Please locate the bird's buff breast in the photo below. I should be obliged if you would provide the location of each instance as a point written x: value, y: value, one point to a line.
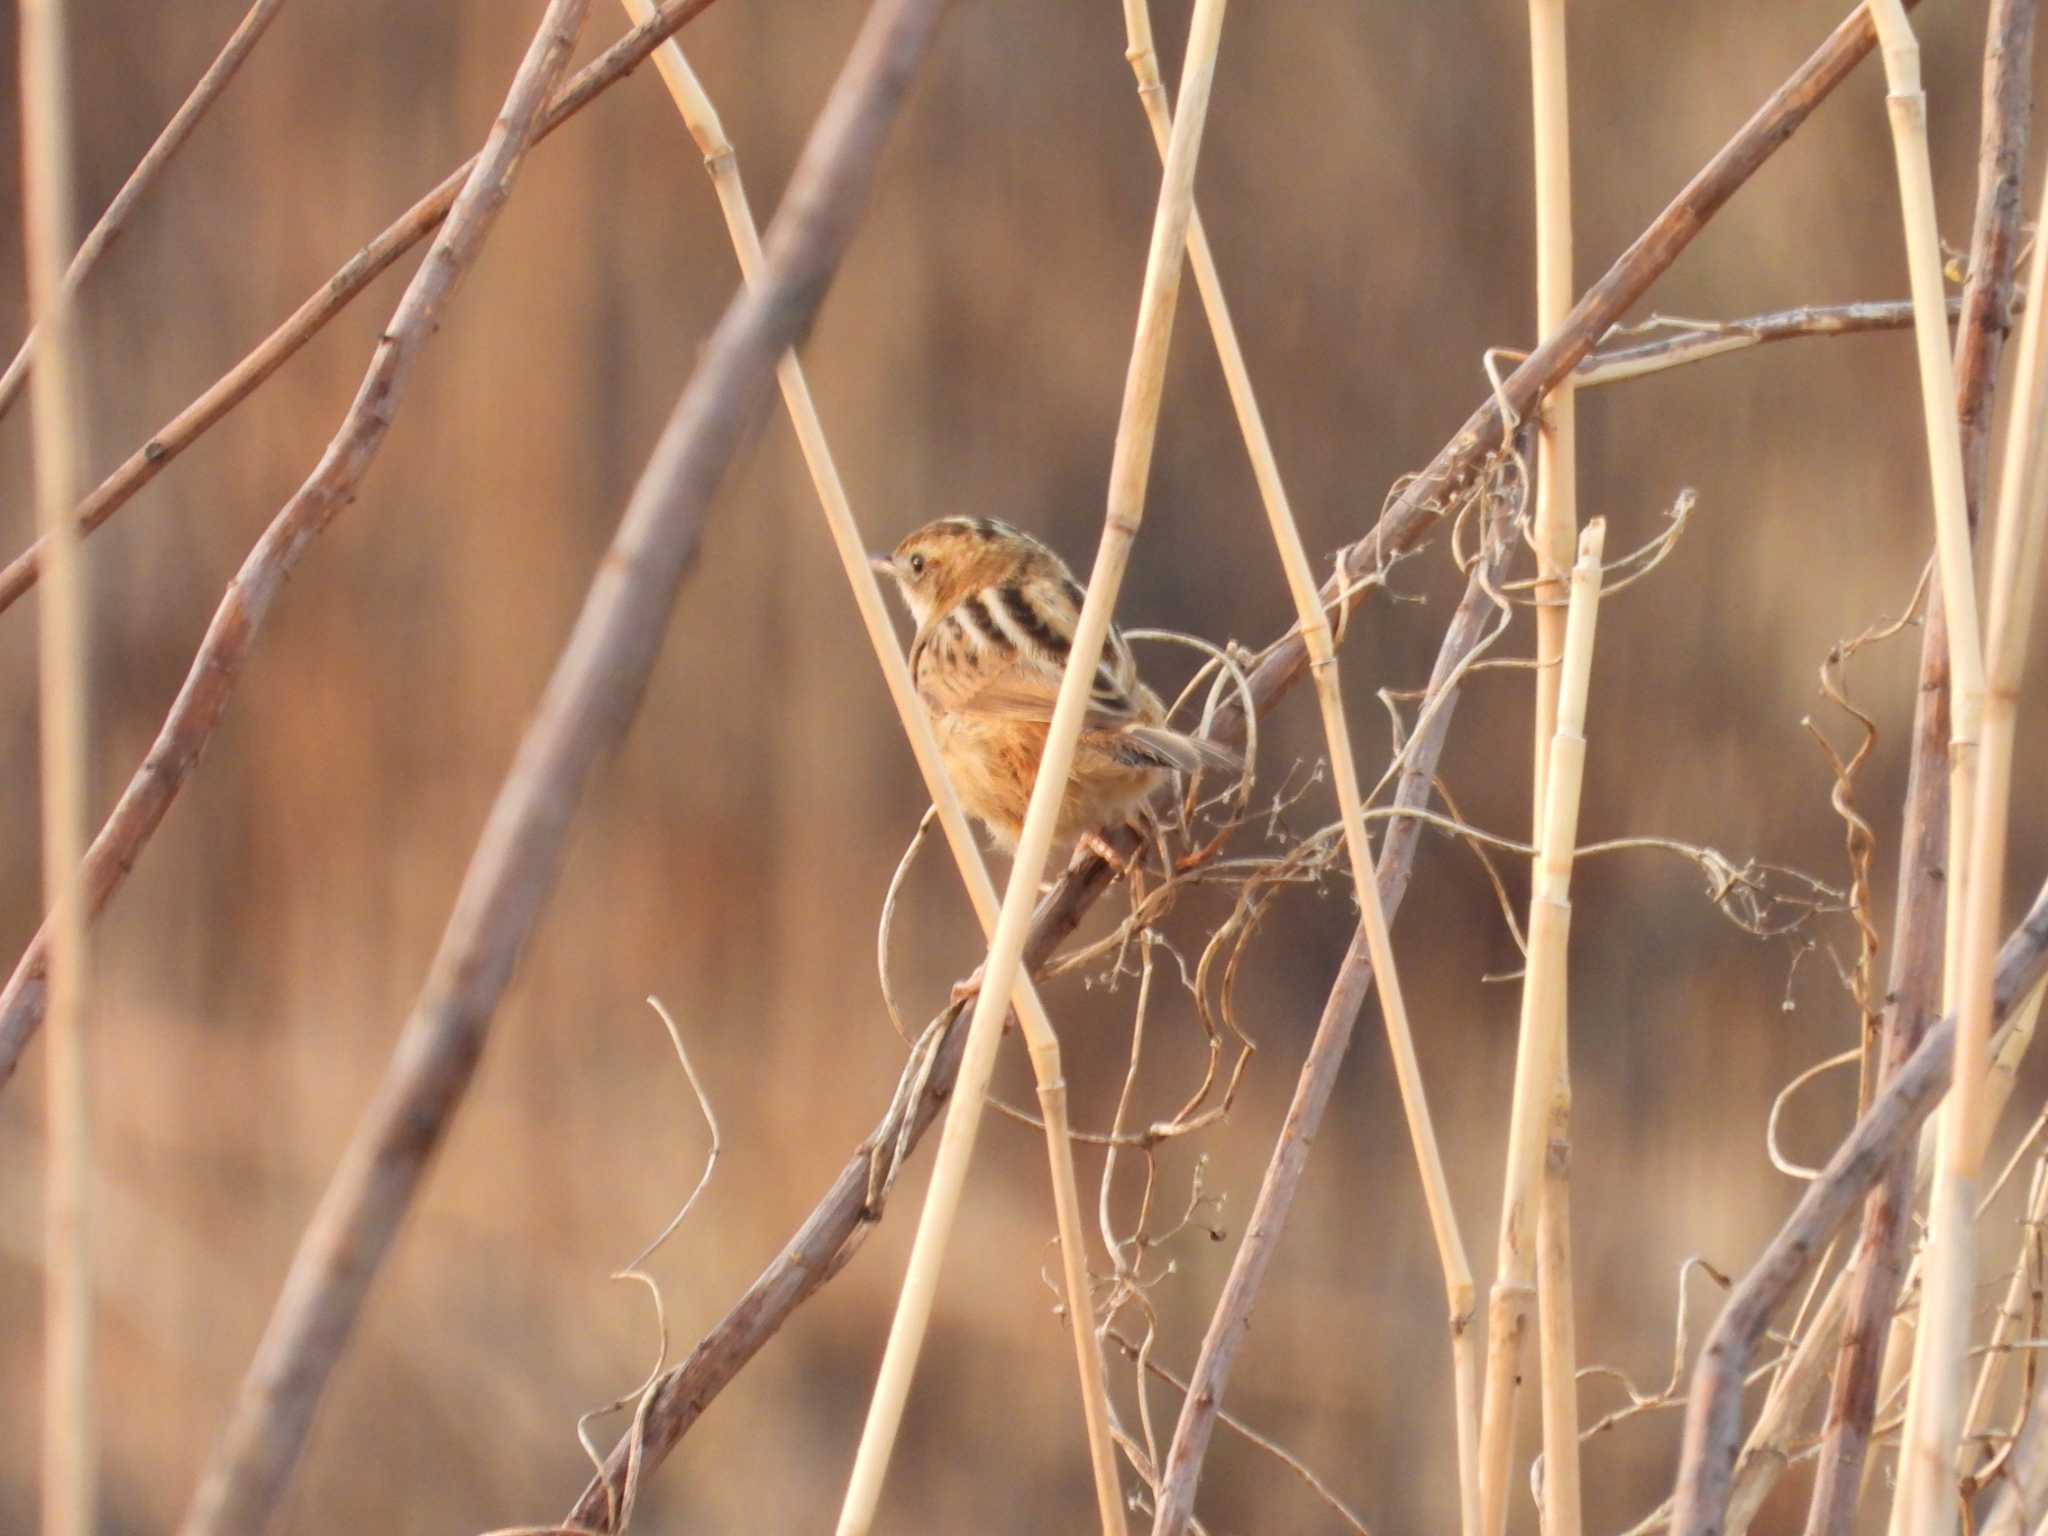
x: 993, y: 764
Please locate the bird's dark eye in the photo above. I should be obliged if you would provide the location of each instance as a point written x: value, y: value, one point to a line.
x: 917, y: 565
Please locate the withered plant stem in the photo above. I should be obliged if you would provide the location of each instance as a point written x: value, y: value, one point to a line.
x: 1042, y: 1044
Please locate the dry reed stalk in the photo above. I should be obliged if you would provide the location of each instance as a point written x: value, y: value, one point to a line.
x: 70, y: 1419
x: 1555, y: 529
x: 586, y: 708
x: 1460, y: 1295
x: 1467, y: 633
x: 1130, y: 467
x: 327, y: 301
x: 1927, y: 1502
x: 694, y: 104
x: 114, y: 221
x: 832, y: 1231
x: 211, y: 679
x: 1713, y: 1407
x: 1934, y: 1406
x: 1539, y: 1056
x: 1876, y: 1343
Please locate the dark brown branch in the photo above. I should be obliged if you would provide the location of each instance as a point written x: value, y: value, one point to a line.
x: 1713, y: 1412
x: 114, y: 221
x: 588, y: 704
x: 1914, y: 990
x: 832, y: 1232
x: 1232, y: 1318
x: 200, y: 703
x: 327, y: 301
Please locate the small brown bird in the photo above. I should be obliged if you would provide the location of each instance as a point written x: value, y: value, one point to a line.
x: 995, y: 612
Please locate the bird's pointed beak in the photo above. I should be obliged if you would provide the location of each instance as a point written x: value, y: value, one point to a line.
x: 883, y: 565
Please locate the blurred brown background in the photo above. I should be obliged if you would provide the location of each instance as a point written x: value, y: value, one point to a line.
x: 1365, y: 182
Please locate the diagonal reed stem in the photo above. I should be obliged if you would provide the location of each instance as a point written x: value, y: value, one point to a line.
x: 1314, y: 629
x: 1129, y: 469
x: 693, y: 102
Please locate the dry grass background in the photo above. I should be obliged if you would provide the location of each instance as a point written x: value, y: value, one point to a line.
x: 1365, y: 183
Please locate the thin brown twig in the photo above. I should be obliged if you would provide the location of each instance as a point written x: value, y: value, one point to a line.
x: 211, y: 680
x: 1913, y: 990
x: 588, y: 704
x: 325, y: 302
x: 1712, y: 1420
x: 1695, y: 341
x: 113, y: 223
x: 833, y: 1231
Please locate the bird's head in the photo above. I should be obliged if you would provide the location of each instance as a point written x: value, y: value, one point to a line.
x: 945, y: 561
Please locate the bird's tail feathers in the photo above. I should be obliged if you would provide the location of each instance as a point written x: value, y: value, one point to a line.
x: 1185, y: 754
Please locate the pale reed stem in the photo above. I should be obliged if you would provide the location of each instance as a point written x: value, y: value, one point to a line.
x: 1130, y: 467
x: 720, y: 160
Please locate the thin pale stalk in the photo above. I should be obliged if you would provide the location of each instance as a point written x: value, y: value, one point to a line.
x: 1934, y: 1403
x: 1539, y: 1055
x: 114, y: 221
x: 1460, y: 1295
x: 1556, y: 1326
x: 1555, y: 530
x: 1129, y: 469
x: 693, y: 102
x: 70, y: 1435
x: 1555, y: 522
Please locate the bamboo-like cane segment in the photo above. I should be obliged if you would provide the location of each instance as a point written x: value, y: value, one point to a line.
x: 1460, y: 1293
x: 1556, y: 525
x: 1926, y: 1503
x: 702, y: 120
x: 1129, y: 469
x: 1934, y: 1406
x: 69, y: 1433
x: 1542, y: 1038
